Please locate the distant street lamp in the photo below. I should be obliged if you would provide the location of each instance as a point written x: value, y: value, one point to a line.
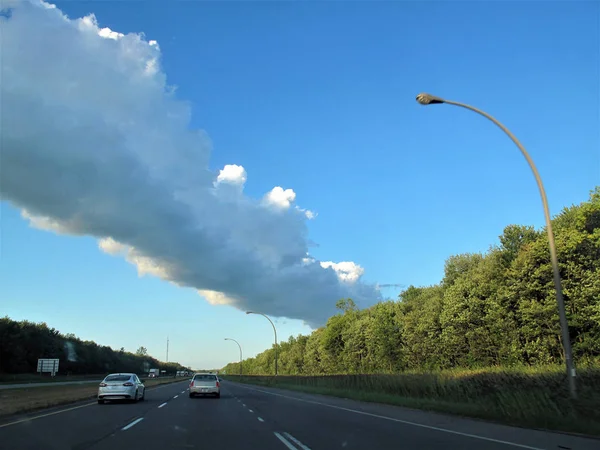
x: 427, y: 99
x: 274, y: 330
x: 229, y: 339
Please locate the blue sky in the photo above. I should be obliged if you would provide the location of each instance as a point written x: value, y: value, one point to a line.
x: 319, y: 97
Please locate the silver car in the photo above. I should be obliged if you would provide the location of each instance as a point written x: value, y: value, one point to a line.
x: 119, y: 386
x: 205, y: 384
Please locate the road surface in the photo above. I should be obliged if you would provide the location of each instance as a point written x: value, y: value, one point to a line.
x: 250, y: 417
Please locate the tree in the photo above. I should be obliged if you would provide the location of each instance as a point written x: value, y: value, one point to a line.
x: 141, y: 351
x: 497, y: 308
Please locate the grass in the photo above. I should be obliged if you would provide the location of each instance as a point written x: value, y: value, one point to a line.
x: 527, y: 397
x: 16, y: 401
x: 45, y: 378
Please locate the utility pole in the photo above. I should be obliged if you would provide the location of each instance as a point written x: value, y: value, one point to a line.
x: 167, y: 348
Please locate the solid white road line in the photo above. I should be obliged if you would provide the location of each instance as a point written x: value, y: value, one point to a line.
x: 176, y: 396
x: 135, y: 422
x: 260, y: 419
x: 46, y: 415
x: 152, y: 388
x: 406, y: 422
x: 284, y: 440
x: 296, y: 441
x: 163, y: 405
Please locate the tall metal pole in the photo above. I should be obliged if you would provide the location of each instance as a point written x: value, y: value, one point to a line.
x: 274, y: 330
x: 427, y: 99
x: 167, y: 348
x: 241, y: 359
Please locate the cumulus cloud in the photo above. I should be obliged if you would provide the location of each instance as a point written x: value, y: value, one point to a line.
x: 232, y: 174
x: 94, y: 142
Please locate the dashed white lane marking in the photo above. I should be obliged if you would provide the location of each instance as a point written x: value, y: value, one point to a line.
x: 135, y: 422
x: 163, y: 405
x: 176, y: 396
x: 406, y: 422
x: 296, y: 441
x: 244, y: 405
x: 260, y: 419
x: 284, y: 440
x: 250, y: 410
x: 28, y: 419
x: 183, y: 392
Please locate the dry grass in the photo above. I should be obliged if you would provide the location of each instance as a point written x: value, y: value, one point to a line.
x: 15, y: 401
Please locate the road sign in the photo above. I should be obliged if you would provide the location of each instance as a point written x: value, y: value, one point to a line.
x: 47, y: 365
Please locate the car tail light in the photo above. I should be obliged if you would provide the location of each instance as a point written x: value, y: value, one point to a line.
x: 218, y: 384
x: 128, y: 384
x: 103, y: 384
x: 192, y: 383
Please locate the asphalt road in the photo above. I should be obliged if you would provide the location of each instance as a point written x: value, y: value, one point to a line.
x: 249, y: 417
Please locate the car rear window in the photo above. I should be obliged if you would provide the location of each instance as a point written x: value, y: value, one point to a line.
x: 117, y: 378
x: 205, y: 378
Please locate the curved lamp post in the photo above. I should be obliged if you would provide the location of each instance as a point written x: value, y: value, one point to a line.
x: 229, y: 339
x: 274, y: 330
x: 427, y: 99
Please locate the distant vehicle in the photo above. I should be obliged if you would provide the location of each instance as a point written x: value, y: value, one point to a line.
x: 153, y: 373
x: 119, y: 386
x: 205, y: 384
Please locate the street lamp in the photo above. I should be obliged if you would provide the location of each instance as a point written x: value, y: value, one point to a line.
x: 427, y: 99
x: 274, y: 330
x: 229, y: 339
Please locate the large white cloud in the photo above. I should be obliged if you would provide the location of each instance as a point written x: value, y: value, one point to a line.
x: 94, y: 142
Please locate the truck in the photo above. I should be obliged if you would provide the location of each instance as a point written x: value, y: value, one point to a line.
x: 153, y: 373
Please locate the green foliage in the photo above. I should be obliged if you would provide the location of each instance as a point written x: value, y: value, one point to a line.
x: 490, y: 310
x: 22, y: 343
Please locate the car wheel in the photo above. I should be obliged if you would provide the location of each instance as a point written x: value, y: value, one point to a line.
x: 135, y: 397
x: 218, y: 395
x: 100, y: 402
x: 191, y: 395
x: 143, y: 397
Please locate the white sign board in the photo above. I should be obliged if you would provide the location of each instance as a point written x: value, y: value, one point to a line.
x: 47, y: 365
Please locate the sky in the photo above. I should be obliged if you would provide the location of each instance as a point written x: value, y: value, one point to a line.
x: 167, y: 166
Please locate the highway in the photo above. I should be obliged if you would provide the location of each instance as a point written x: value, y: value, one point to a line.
x: 252, y: 417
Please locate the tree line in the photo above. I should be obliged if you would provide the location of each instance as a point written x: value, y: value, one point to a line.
x: 496, y: 308
x: 22, y: 343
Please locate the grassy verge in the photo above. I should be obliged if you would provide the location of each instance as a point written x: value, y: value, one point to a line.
x: 527, y: 397
x: 15, y: 401
x: 46, y: 378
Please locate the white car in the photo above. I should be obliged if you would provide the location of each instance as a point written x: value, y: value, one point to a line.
x: 121, y: 386
x: 205, y: 384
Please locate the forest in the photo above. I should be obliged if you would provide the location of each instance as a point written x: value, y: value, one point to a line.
x: 491, y: 310
x: 22, y: 343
